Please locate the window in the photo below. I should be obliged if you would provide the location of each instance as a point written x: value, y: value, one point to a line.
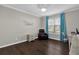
x: 54, y: 24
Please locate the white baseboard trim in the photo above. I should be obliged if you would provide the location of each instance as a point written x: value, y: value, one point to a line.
x: 54, y: 38
x: 12, y: 44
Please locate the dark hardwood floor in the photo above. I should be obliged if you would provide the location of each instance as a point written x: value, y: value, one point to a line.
x: 37, y: 47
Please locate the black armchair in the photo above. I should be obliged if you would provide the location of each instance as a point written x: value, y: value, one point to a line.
x: 42, y: 35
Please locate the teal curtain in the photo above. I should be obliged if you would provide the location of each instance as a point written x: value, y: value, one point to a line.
x: 63, y: 32
x: 47, y: 17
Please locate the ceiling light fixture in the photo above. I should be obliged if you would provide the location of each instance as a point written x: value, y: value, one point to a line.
x: 43, y: 9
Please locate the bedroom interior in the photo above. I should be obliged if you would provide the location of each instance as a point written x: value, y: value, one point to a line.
x: 39, y: 29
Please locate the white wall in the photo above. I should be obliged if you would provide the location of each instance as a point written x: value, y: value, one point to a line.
x: 14, y: 27
x: 43, y: 23
x: 72, y: 21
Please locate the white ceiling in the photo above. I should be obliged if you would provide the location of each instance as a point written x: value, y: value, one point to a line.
x: 33, y: 9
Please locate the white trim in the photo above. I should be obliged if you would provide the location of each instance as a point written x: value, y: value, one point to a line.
x: 71, y: 9
x: 54, y: 39
x: 26, y: 12
x: 20, y: 10
x: 13, y: 43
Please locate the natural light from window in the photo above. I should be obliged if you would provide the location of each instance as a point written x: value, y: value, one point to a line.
x: 54, y: 24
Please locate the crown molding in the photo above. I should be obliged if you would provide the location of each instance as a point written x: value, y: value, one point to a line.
x: 17, y: 9
x: 71, y: 9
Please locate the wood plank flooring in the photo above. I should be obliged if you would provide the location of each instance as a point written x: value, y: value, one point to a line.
x: 37, y: 47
